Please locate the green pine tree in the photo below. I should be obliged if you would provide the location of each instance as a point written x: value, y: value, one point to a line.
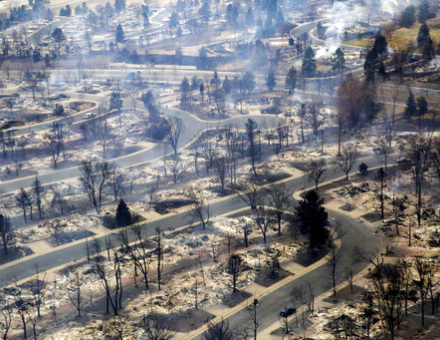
x: 205, y: 10
x: 428, y: 51
x: 174, y: 20
x: 116, y: 101
x: 184, y: 91
x: 119, y: 5
x: 271, y: 80
x: 338, y: 61
x: 250, y: 17
x: 408, y: 17
x: 58, y: 36
x: 370, y: 66
x: 204, y: 62
x: 313, y: 219
x: 291, y: 79
x: 309, y: 63
x: 120, y: 35
x: 320, y: 30
x: 411, y: 106
x: 380, y: 45
x: 424, y: 35
x: 425, y: 12
x: 422, y: 106
x: 123, y: 215
x: 248, y: 81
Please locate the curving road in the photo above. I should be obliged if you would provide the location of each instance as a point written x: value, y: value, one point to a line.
x: 192, y: 127
x: 354, y: 233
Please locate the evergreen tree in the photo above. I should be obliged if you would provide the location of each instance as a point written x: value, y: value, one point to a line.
x: 425, y: 12
x: 145, y: 9
x: 408, y: 17
x: 120, y: 35
x: 36, y: 55
x: 119, y: 5
x: 195, y: 83
x: 116, y: 101
x: 227, y: 86
x: 108, y: 10
x: 370, y: 65
x: 123, y: 215
x: 174, y: 20
x: 202, y: 91
x: 184, y: 91
x: 205, y: 10
x: 271, y: 80
x: 338, y: 61
x: 260, y: 56
x: 147, y: 98
x: 58, y: 35
x: 178, y: 56
x: 248, y: 81
x: 58, y: 110
x: 250, y: 21
x: 251, y: 131
x: 309, y: 63
x: 215, y: 80
x: 423, y: 36
x: 66, y: 12
x: 320, y: 30
x: 47, y: 60
x: 313, y: 219
x: 380, y: 45
x: 268, y: 30
x: 371, y: 108
x: 271, y: 8
x: 291, y: 79
x: 291, y: 42
x: 146, y: 19
x: 422, y: 106
x: 232, y: 15
x: 428, y: 50
x: 204, y: 62
x: 411, y: 106
x: 424, y: 42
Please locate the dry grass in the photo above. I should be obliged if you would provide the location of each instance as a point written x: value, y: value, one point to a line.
x: 364, y: 42
x: 403, y: 37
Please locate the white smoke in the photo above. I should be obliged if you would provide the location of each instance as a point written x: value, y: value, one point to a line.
x: 343, y: 16
x: 392, y: 7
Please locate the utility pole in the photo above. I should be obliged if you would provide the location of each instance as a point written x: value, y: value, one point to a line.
x: 87, y: 249
x: 256, y: 325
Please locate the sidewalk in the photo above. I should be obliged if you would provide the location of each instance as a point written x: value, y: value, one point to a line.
x: 333, y: 205
x: 258, y: 291
x: 42, y: 247
x: 319, y: 304
x: 222, y: 312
